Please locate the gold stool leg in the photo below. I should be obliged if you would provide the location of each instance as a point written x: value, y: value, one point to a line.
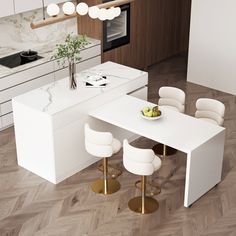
x: 163, y: 150
x: 105, y: 185
x: 143, y: 204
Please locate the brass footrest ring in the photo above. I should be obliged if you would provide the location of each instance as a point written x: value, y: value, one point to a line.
x: 151, y: 189
x: 112, y: 171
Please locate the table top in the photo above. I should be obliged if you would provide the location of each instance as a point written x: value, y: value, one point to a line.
x: 55, y: 97
x: 174, y: 129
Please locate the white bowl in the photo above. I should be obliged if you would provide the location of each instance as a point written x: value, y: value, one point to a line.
x: 150, y: 118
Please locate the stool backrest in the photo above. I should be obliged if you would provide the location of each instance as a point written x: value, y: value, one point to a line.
x: 171, y: 96
x: 138, y: 161
x: 97, y: 143
x: 210, y: 109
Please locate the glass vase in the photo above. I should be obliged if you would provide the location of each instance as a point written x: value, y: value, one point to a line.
x: 72, y: 74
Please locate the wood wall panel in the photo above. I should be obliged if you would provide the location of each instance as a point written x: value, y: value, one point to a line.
x: 133, y: 54
x: 185, y: 24
x: 159, y: 29
x: 88, y: 26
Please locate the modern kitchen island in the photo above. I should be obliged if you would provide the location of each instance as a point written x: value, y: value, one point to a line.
x: 49, y: 121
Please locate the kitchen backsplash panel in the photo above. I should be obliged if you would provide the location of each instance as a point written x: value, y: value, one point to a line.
x: 16, y: 33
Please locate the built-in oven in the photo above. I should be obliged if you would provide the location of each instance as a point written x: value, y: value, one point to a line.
x: 116, y: 32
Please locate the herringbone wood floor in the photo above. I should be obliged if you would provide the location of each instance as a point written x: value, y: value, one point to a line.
x: 30, y: 205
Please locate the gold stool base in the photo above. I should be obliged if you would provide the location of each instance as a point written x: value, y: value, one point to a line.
x: 151, y: 205
x: 159, y: 150
x: 99, y: 187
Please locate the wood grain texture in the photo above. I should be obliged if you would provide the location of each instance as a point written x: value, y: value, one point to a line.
x: 89, y: 26
x: 133, y: 54
x: 159, y: 29
x: 29, y: 205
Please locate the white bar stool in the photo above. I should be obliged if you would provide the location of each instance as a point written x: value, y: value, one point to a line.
x: 102, y: 144
x: 174, y: 99
x: 141, y: 162
x: 210, y: 110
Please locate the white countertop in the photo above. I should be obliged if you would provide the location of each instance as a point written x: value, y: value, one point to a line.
x: 44, y: 51
x: 174, y: 129
x: 57, y: 96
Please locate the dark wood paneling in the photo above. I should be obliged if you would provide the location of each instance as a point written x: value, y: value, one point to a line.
x: 159, y: 29
x: 88, y: 26
x: 185, y: 24
x: 133, y: 54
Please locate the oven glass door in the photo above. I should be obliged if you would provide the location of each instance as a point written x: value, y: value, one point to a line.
x: 116, y: 32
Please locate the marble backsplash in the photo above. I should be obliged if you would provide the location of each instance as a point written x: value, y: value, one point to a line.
x: 17, y: 35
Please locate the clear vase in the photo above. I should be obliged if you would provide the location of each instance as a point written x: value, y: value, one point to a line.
x: 72, y: 74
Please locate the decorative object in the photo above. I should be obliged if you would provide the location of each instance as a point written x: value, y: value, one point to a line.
x: 70, y: 51
x: 82, y: 8
x: 109, y: 11
x: 93, y: 12
x: 53, y: 10
x: 68, y: 8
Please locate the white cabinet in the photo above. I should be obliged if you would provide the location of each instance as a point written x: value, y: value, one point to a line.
x: 27, y: 5
x: 6, y: 8
x: 35, y: 77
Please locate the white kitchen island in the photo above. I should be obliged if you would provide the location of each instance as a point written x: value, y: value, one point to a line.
x: 49, y: 121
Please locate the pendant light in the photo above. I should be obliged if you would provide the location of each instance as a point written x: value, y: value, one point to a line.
x: 82, y: 8
x: 53, y: 10
x: 104, y: 11
x: 68, y: 8
x: 93, y: 12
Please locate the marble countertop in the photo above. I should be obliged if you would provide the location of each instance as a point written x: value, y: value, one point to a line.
x: 56, y: 97
x: 44, y: 50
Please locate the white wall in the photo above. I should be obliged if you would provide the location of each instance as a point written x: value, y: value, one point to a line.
x: 212, y: 52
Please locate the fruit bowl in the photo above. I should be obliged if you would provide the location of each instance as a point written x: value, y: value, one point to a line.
x: 151, y: 113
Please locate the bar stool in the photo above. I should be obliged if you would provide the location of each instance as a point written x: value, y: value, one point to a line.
x: 174, y: 99
x: 141, y: 162
x: 210, y: 110
x: 102, y: 144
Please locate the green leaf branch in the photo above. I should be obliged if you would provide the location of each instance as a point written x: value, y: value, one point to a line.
x: 70, y: 50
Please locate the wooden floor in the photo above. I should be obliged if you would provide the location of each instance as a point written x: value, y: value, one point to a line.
x: 30, y: 205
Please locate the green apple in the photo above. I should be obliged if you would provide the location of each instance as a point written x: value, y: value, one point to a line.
x: 149, y: 113
x: 146, y: 111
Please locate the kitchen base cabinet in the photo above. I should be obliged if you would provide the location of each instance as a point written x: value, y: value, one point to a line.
x: 54, y: 129
x: 40, y: 75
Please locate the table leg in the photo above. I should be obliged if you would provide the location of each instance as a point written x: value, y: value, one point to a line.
x: 204, y: 168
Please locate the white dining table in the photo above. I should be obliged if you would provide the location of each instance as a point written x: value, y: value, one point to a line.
x: 203, y: 142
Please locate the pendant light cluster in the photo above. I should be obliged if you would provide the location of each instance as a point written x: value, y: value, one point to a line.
x: 82, y: 9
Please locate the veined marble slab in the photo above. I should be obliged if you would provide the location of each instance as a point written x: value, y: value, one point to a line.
x: 45, y: 51
x: 17, y: 35
x: 57, y: 96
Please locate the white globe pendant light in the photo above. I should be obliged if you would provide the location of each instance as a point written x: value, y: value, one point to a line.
x: 117, y: 11
x: 68, y: 8
x: 82, y: 8
x: 102, y: 14
x: 93, y: 12
x: 110, y: 14
x: 53, y: 9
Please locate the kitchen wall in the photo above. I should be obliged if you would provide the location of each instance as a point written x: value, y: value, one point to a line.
x: 17, y: 35
x: 212, y: 52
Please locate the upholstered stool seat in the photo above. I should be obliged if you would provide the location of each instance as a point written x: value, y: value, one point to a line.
x: 102, y: 144
x: 174, y: 99
x: 210, y: 110
x: 116, y: 145
x: 141, y: 162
